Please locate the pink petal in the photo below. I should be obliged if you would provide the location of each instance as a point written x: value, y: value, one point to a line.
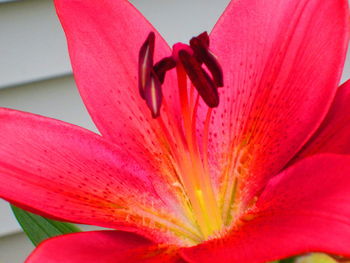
x: 101, y: 247
x: 57, y: 169
x: 304, y: 209
x: 104, y: 39
x: 333, y: 136
x: 282, y: 61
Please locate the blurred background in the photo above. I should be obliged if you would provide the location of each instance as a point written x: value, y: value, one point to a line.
x: 35, y: 73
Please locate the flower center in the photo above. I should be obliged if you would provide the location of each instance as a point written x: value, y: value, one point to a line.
x: 196, y: 65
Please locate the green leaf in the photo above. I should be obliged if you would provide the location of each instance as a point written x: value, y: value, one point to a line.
x: 39, y: 228
x: 316, y: 258
x: 287, y: 260
x: 309, y: 258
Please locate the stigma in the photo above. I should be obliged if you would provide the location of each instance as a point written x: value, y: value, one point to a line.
x: 198, y: 62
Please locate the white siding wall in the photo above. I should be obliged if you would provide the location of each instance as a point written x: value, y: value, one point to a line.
x: 32, y: 44
x: 35, y: 74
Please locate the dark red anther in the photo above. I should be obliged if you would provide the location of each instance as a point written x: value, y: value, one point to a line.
x: 145, y: 63
x: 162, y: 66
x: 200, y: 46
x: 153, y: 94
x: 151, y: 77
x: 204, y: 38
x: 200, y: 79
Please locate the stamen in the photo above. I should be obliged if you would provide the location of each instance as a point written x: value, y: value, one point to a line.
x: 200, y: 46
x: 200, y: 79
x: 145, y: 63
x: 189, y: 157
x: 153, y: 94
x: 196, y: 180
x: 162, y: 66
x: 204, y: 38
x: 206, y: 140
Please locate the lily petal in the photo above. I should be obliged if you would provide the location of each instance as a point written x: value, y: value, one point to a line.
x: 282, y: 61
x: 66, y: 172
x: 101, y: 246
x: 333, y: 136
x: 303, y: 209
x: 104, y: 39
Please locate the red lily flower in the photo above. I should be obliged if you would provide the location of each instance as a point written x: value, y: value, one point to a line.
x: 234, y: 174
